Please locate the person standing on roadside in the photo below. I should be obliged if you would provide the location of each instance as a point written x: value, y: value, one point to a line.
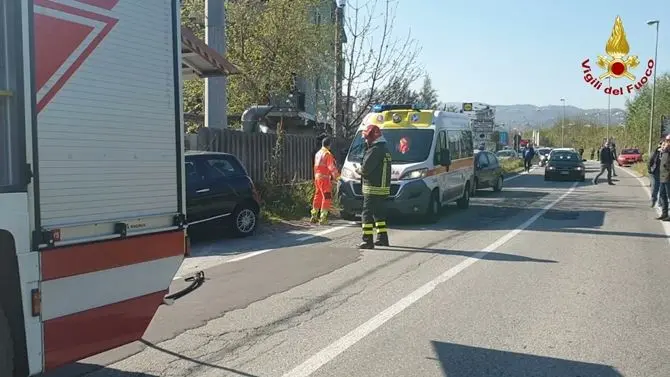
x: 325, y: 172
x: 375, y: 172
x: 528, y: 155
x: 664, y: 178
x: 654, y: 169
x: 606, y: 161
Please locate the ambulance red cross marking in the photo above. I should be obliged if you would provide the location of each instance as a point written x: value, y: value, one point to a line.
x: 65, y: 37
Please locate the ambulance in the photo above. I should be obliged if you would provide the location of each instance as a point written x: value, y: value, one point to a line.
x: 432, y: 161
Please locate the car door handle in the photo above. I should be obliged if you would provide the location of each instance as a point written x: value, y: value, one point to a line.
x: 202, y: 190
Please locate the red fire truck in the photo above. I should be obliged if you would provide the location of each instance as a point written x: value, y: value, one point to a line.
x: 92, y: 212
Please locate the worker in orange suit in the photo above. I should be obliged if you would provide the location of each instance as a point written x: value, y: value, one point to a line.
x: 325, y: 171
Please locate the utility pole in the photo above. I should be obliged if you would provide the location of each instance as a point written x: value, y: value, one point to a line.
x: 338, y: 108
x: 216, y: 98
x: 609, y: 108
x: 653, y: 88
x: 563, y: 125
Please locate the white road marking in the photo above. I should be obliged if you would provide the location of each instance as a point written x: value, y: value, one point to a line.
x: 209, y: 261
x: 520, y: 174
x: 329, y: 353
x: 322, y: 233
x: 645, y: 186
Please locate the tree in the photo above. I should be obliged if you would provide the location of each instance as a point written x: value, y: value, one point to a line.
x: 378, y: 66
x: 633, y: 133
x: 272, y: 42
x: 428, y: 94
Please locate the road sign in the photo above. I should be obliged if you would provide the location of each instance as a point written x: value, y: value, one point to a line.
x: 503, y: 137
x: 467, y: 106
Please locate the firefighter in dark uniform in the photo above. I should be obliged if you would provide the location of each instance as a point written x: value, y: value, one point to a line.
x: 375, y: 172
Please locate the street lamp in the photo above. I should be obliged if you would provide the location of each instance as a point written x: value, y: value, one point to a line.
x: 653, y: 87
x: 563, y: 125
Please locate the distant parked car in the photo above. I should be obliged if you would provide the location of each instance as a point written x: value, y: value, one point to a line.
x: 220, y: 192
x: 629, y: 156
x: 544, y: 155
x: 488, y: 172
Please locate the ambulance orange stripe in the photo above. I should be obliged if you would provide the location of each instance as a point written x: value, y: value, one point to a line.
x: 462, y: 163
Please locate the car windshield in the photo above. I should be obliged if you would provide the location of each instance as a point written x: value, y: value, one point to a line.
x: 543, y: 151
x: 405, y: 145
x: 563, y: 156
x: 630, y: 151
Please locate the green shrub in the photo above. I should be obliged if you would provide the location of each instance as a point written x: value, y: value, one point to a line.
x: 290, y: 201
x: 511, y: 165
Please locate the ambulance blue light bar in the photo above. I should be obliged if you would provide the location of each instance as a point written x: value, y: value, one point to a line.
x: 382, y: 108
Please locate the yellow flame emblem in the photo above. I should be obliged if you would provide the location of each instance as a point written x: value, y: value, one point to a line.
x: 618, y: 64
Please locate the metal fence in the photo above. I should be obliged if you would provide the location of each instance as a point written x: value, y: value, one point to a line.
x: 255, y: 151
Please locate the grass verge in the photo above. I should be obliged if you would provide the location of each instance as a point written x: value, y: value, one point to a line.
x: 640, y: 169
x: 511, y: 165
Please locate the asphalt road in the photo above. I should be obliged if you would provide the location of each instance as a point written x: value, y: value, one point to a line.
x: 555, y: 279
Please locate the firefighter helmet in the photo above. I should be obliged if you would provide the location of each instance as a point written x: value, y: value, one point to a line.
x: 372, y: 133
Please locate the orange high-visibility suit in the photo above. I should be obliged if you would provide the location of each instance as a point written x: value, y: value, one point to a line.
x: 325, y: 170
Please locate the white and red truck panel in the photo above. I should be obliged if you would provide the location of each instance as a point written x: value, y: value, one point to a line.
x: 107, y: 152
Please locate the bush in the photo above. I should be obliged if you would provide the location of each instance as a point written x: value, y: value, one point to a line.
x: 511, y: 165
x: 290, y: 201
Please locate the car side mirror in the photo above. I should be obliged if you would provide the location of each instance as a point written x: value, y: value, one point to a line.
x: 445, y: 159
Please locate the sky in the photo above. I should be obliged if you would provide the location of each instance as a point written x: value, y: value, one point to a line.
x: 505, y: 52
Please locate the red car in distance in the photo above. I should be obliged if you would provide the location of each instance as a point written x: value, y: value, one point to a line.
x: 629, y: 156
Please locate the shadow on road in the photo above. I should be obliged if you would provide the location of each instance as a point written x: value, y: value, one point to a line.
x: 197, y: 362
x: 494, y: 256
x: 82, y: 369
x: 465, y: 361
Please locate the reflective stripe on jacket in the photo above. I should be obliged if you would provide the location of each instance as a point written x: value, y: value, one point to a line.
x: 325, y: 165
x: 376, y: 170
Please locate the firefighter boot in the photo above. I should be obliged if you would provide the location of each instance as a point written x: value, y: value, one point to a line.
x: 315, y: 216
x: 323, y: 220
x: 382, y: 239
x: 367, y: 243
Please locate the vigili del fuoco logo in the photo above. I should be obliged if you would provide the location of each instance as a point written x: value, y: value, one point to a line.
x: 618, y: 64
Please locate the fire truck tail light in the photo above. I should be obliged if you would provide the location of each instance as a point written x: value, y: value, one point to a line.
x: 36, y: 298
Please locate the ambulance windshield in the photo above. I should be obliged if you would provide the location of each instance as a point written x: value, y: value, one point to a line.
x: 405, y: 145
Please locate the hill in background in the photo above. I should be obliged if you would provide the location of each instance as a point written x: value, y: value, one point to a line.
x: 530, y: 116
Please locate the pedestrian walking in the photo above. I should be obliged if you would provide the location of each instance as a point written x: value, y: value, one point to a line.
x: 606, y: 161
x: 593, y: 154
x: 654, y: 169
x: 528, y: 155
x: 325, y: 171
x: 375, y: 172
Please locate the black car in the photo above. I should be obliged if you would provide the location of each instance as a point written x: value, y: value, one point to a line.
x: 488, y: 172
x: 219, y: 191
x: 564, y: 164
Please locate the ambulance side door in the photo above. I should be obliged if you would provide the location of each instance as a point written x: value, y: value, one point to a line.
x: 441, y: 178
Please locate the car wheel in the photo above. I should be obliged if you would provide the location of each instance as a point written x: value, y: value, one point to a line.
x: 6, y: 347
x: 497, y: 187
x: 348, y: 216
x: 475, y: 186
x: 464, y: 201
x: 245, y: 219
x: 434, y: 208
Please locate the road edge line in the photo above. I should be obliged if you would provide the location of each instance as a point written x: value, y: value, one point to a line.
x: 330, y: 352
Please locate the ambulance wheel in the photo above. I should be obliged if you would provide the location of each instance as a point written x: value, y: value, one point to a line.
x: 464, y: 201
x: 434, y: 208
x: 6, y: 347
